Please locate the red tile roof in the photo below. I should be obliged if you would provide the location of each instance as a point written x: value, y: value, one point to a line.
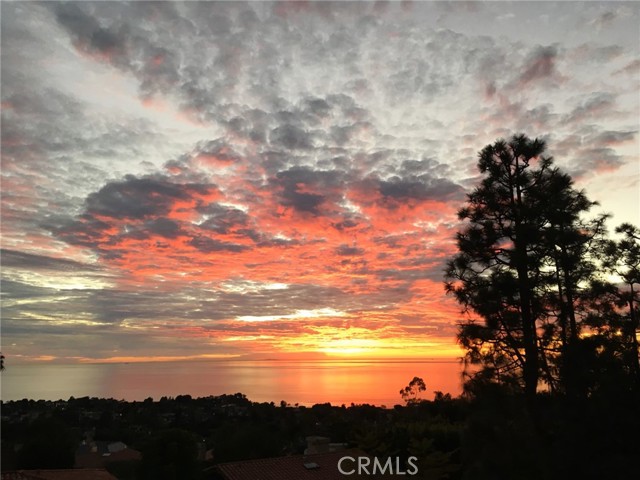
x: 69, y: 474
x: 292, y: 468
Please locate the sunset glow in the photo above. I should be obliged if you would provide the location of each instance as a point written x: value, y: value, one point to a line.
x: 187, y: 181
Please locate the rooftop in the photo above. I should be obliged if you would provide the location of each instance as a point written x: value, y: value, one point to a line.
x: 323, y: 466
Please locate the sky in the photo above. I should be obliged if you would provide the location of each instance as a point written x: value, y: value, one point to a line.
x: 281, y: 180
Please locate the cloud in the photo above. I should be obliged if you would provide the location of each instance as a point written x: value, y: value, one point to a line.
x: 417, y: 188
x: 604, y: 20
x: 222, y: 219
x: 164, y: 227
x: 139, y: 198
x: 181, y: 166
x: 216, y: 152
x: 306, y: 190
x: 89, y: 36
x: 31, y: 261
x: 291, y: 137
x: 539, y: 65
x: 594, y: 151
x: 592, y: 108
x: 598, y: 160
x: 612, y: 138
x: 210, y: 245
x: 631, y: 68
x: 346, y: 250
x: 590, y: 53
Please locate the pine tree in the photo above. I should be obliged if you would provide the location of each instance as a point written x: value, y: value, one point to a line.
x: 622, y: 259
x: 521, y: 265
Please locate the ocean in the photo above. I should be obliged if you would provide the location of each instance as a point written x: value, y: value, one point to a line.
x: 301, y: 382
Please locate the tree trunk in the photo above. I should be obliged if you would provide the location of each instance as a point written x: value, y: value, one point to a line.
x: 568, y: 287
x: 530, y: 370
x: 634, y: 337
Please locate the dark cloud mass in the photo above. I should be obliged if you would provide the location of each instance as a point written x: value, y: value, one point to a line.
x: 305, y: 189
x: 420, y: 189
x: 540, y: 64
x: 291, y: 137
x: 209, y: 245
x: 222, y: 219
x: 238, y: 178
x: 30, y: 261
x: 135, y: 198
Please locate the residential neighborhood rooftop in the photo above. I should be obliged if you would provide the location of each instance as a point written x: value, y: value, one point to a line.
x: 323, y: 466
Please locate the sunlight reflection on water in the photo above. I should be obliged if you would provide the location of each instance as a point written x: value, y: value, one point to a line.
x: 305, y: 382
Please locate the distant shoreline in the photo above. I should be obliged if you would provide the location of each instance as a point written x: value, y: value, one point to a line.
x: 230, y: 360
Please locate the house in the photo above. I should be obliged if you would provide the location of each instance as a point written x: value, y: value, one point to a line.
x: 75, y: 474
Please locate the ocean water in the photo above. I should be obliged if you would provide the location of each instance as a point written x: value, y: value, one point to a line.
x: 303, y: 382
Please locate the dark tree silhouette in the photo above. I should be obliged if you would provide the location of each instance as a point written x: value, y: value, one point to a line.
x: 549, y: 299
x: 411, y: 393
x: 521, y: 259
x: 569, y: 247
x: 170, y: 455
x: 622, y: 258
x: 1, y: 362
x: 49, y: 443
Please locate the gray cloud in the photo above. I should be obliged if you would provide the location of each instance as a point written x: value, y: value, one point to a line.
x: 291, y: 137
x: 631, y: 68
x: 419, y: 189
x: 348, y: 251
x: 540, y: 64
x: 590, y: 53
x: 613, y: 138
x: 222, y: 219
x: 132, y: 208
x: 31, y: 261
x: 294, y: 184
x: 164, y: 227
x: 140, y: 197
x: 598, y: 159
x: 209, y: 245
x: 594, y: 150
x: 592, y: 108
